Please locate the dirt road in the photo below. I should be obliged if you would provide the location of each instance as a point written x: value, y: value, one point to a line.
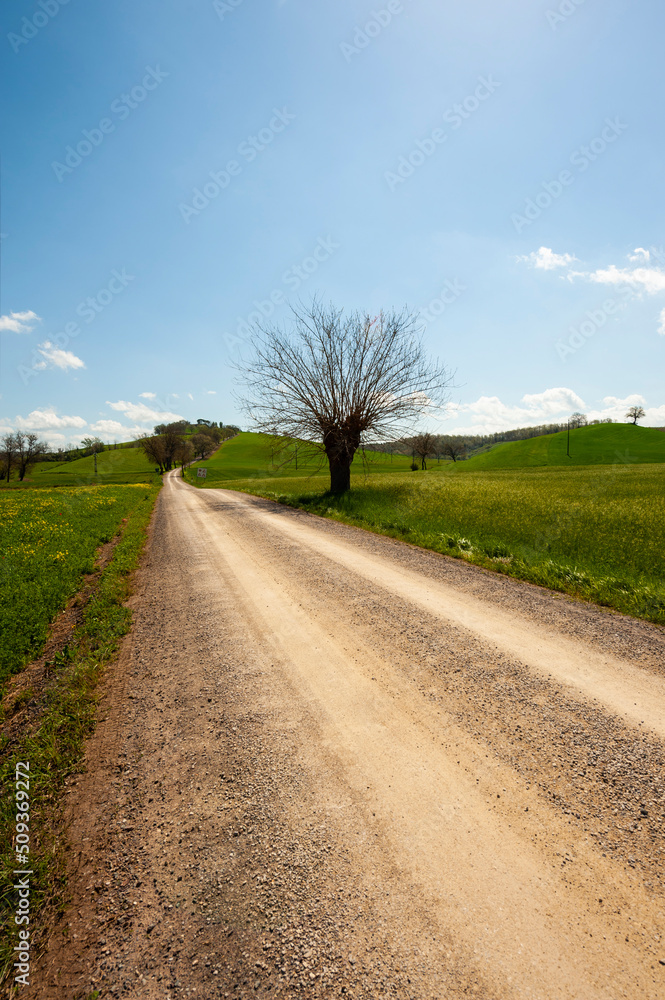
x: 333, y: 764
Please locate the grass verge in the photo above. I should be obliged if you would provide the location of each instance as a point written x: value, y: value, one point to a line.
x: 54, y: 744
x: 48, y: 540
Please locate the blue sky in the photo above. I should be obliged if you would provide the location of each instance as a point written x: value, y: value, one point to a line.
x: 171, y: 167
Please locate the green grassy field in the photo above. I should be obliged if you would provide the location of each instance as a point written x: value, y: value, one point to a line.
x: 596, y: 531
x: 61, y: 714
x: 599, y: 444
x: 115, y: 466
x: 48, y: 539
x: 254, y: 456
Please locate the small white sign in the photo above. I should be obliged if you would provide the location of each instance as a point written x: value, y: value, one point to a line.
x: 201, y: 473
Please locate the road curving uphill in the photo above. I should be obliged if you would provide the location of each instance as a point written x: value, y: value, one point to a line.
x: 334, y: 764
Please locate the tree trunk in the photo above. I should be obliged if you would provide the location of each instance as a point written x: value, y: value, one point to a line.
x: 340, y: 445
x: 340, y: 474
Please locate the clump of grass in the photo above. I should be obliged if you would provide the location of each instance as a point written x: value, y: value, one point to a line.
x: 22, y: 699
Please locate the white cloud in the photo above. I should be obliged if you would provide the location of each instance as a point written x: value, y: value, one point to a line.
x: 211, y: 392
x: 113, y: 429
x: 147, y: 395
x: 648, y: 279
x: 55, y: 357
x: 643, y: 277
x: 143, y: 414
x: 190, y: 396
x: 552, y: 401
x: 544, y: 259
x: 19, y: 322
x: 41, y: 420
x: 661, y: 325
x: 616, y: 407
x: 489, y: 413
x: 109, y: 427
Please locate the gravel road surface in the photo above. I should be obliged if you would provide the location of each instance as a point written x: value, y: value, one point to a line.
x: 332, y: 764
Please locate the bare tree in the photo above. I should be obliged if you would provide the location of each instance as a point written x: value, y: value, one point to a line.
x: 423, y: 445
x: 184, y: 454
x: 8, y: 455
x: 162, y: 446
x: 172, y: 436
x: 94, y: 445
x: 28, y: 450
x: 454, y: 449
x: 203, y: 444
x: 154, y: 450
x: 635, y: 413
x: 341, y: 381
x: 578, y: 420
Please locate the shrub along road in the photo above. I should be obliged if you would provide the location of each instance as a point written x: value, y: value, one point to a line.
x: 330, y: 763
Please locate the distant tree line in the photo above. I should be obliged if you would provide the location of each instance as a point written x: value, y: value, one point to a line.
x: 457, y: 447
x: 20, y: 450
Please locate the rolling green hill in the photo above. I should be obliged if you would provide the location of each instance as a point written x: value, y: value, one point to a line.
x: 116, y: 465
x: 599, y: 444
x: 254, y: 456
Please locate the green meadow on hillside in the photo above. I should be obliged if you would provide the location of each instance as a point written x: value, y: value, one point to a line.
x: 255, y: 456
x: 598, y: 444
x: 114, y: 466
